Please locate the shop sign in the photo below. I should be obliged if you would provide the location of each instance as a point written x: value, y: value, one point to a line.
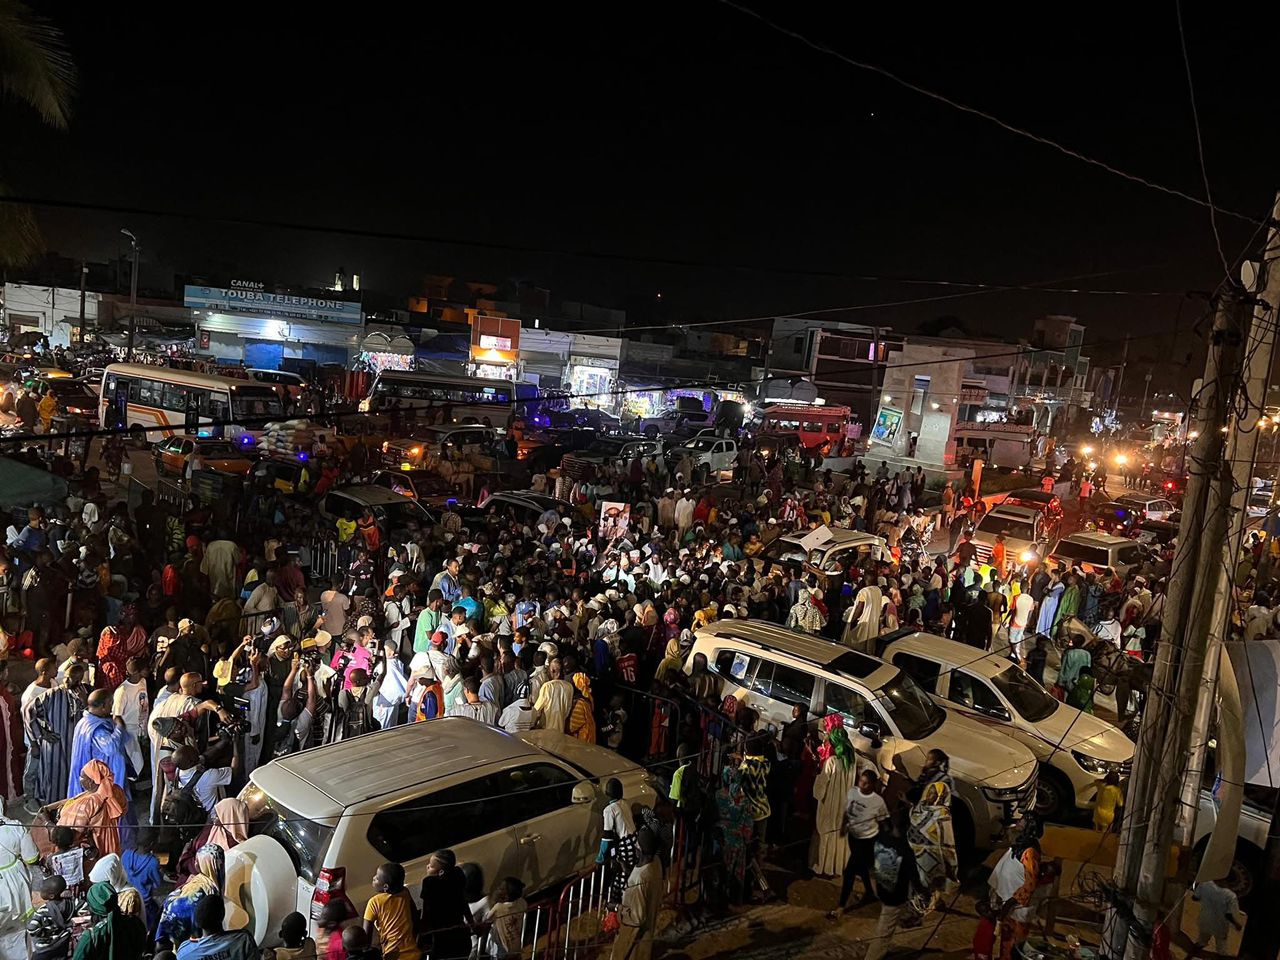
x: 495, y: 339
x: 265, y: 303
x: 488, y: 342
x: 604, y: 363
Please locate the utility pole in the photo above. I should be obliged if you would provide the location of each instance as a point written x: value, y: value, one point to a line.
x: 1164, y: 740
x: 1146, y: 386
x: 133, y: 296
x: 1242, y: 452
x: 1124, y: 359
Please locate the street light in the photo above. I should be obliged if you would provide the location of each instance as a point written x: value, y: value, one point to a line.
x: 133, y: 294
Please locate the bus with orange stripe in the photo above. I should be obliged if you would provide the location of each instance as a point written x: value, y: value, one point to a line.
x: 154, y: 402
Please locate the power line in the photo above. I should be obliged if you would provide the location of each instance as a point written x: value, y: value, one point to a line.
x: 1195, y: 117
x: 974, y: 111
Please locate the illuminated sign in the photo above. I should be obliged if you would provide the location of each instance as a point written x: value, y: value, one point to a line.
x: 488, y: 342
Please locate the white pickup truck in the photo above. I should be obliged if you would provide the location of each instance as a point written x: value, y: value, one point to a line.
x: 713, y: 457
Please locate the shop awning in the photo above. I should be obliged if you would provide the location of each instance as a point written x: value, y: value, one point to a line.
x: 379, y: 342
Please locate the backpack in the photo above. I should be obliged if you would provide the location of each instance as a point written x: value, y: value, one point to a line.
x: 358, y: 715
x: 886, y: 866
x: 182, y: 807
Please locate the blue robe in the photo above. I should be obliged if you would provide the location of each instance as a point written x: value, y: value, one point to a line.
x: 1049, y: 609
x: 97, y: 738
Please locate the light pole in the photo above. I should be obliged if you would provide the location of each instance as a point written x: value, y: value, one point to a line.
x: 133, y: 295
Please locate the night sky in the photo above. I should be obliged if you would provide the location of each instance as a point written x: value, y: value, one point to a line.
x: 679, y: 131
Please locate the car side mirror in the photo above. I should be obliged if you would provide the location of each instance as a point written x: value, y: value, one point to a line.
x: 583, y: 793
x: 869, y: 729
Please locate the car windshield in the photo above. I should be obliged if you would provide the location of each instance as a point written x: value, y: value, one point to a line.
x: 607, y: 447
x: 1081, y: 552
x: 702, y: 444
x: 399, y: 514
x: 71, y: 393
x: 1012, y: 529
x: 256, y: 401
x: 911, y: 709
x: 784, y: 550
x: 219, y: 450
x: 1026, y: 696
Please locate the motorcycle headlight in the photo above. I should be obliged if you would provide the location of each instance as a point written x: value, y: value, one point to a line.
x: 1096, y: 767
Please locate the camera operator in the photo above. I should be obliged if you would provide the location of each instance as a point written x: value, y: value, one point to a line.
x: 242, y: 690
x: 194, y: 783
x: 191, y: 727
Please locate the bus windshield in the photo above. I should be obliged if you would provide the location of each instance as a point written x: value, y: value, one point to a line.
x: 254, y: 402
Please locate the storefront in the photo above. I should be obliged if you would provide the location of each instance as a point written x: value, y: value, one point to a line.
x: 495, y: 348
x: 246, y: 323
x: 386, y: 350
x: 591, y: 372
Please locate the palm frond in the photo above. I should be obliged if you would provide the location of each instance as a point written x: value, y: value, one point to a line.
x: 20, y: 241
x: 35, y: 65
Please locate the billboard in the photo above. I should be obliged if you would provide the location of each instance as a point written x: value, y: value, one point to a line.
x: 265, y: 303
x: 885, y: 429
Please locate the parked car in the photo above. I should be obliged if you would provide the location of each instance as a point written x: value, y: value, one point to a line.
x: 713, y: 457
x: 687, y: 414
x: 74, y: 397
x: 425, y: 486
x: 527, y: 805
x: 772, y: 670
x: 1099, y: 553
x: 1075, y: 749
x: 1149, y: 506
x: 1116, y: 518
x: 392, y: 510
x: 827, y: 556
x: 290, y: 383
x: 451, y: 442
x: 525, y: 505
x: 1154, y: 532
x: 608, y: 451
x: 585, y: 418
x: 171, y: 455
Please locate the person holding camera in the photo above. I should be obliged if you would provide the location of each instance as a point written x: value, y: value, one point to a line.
x: 194, y: 784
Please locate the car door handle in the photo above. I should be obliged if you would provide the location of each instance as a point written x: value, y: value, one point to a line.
x: 531, y: 838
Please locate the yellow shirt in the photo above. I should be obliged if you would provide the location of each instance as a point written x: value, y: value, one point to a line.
x: 1104, y: 809
x: 392, y: 917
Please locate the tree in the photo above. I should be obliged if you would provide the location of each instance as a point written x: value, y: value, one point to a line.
x: 35, y: 68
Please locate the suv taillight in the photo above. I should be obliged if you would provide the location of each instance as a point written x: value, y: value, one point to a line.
x: 331, y: 887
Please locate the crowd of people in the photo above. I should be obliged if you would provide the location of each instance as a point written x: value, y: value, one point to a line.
x: 176, y: 649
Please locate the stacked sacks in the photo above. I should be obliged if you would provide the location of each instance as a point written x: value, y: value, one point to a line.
x: 287, y: 439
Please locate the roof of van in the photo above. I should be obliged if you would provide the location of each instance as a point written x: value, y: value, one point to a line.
x: 371, y: 494
x: 821, y: 653
x: 839, y: 537
x: 1014, y: 511
x: 323, y: 782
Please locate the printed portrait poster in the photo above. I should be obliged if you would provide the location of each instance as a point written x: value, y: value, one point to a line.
x: 615, y: 519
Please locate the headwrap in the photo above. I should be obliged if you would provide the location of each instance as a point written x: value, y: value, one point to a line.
x: 211, y: 862
x: 583, y: 683
x: 230, y: 825
x: 673, y: 648
x: 837, y: 742
x: 111, y: 871
x: 101, y: 899
x: 100, y: 774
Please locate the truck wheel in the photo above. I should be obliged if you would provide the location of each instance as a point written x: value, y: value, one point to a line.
x: 651, y: 431
x: 1245, y: 875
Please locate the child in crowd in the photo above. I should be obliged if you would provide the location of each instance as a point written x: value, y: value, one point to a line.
x: 505, y: 918
x: 1037, y: 658
x: 984, y: 937
x: 296, y: 944
x: 69, y: 860
x: 332, y: 918
x: 50, y: 926
x: 143, y: 871
x: 1109, y: 803
x: 390, y: 914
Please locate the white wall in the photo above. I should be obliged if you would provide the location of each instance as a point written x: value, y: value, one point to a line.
x: 57, y: 309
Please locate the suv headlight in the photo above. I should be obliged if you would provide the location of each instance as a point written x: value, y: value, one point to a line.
x: 1096, y: 767
x: 1003, y: 794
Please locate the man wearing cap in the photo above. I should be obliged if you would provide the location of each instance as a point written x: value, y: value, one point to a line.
x: 186, y: 651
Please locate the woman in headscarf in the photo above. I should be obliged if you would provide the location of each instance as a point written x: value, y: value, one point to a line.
x: 110, y: 870
x: 116, y: 935
x: 703, y: 684
x: 117, y: 644
x: 828, y: 850
x: 98, y: 810
x: 673, y: 662
x: 582, y: 716
x: 228, y: 828
x: 733, y: 831
x: 177, y: 917
x: 932, y: 838
x: 18, y: 854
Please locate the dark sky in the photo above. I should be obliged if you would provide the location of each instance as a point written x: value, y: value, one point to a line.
x: 675, y: 130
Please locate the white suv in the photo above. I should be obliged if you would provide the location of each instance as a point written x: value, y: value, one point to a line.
x: 1075, y: 749
x: 323, y: 820
x: 773, y: 669
x: 1024, y: 528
